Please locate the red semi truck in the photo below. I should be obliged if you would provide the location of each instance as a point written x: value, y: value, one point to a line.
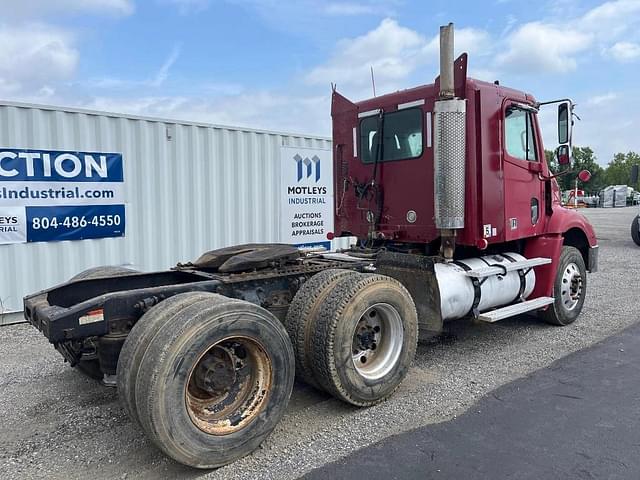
x: 457, y: 215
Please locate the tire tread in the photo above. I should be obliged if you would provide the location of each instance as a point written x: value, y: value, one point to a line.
x: 323, y: 350
x: 302, y: 314
x: 138, y: 341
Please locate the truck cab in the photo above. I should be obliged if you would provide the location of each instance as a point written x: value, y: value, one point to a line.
x: 384, y: 149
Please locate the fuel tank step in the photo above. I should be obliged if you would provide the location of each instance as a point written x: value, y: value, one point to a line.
x: 503, y: 268
x: 515, y: 309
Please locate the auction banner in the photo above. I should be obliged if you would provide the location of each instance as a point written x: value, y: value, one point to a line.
x: 307, y: 197
x: 48, y: 195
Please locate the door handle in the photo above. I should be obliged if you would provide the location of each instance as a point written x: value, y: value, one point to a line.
x: 534, y: 167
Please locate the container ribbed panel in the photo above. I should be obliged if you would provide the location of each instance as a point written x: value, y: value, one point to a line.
x: 189, y: 188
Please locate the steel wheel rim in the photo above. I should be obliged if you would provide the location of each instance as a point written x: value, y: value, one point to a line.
x: 571, y: 286
x: 228, y: 386
x: 377, y: 341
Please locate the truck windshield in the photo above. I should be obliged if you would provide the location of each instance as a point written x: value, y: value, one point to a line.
x: 402, y: 136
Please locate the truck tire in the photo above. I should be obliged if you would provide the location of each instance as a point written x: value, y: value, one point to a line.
x: 635, y: 230
x: 302, y: 315
x: 365, y: 338
x: 214, y: 381
x: 138, y: 341
x: 569, y: 289
x: 91, y: 367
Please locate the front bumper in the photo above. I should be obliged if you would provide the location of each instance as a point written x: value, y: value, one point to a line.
x: 593, y: 259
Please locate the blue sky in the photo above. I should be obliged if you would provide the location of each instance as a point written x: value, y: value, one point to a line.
x: 269, y: 64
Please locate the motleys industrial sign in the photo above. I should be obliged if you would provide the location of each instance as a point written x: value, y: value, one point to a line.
x: 307, y: 196
x: 48, y: 195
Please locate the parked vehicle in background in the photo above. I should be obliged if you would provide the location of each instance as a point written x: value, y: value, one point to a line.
x: 635, y: 224
x: 574, y: 198
x: 457, y: 215
x: 633, y: 197
x: 614, y: 196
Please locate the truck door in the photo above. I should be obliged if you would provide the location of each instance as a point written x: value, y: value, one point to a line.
x: 523, y: 161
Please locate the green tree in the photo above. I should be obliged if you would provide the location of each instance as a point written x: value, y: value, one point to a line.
x: 552, y: 162
x: 619, y: 169
x: 583, y: 159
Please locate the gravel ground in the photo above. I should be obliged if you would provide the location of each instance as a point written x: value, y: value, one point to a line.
x: 54, y: 423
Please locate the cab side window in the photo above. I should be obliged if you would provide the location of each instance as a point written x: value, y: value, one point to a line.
x: 519, y: 137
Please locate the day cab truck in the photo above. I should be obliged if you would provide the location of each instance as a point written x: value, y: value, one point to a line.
x: 457, y: 215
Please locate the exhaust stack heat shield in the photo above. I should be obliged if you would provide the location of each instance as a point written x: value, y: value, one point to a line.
x: 449, y: 163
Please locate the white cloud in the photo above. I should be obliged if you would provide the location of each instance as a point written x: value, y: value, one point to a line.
x: 314, y: 19
x: 610, y: 19
x: 163, y: 73
x: 602, y: 99
x: 156, y: 80
x: 269, y: 110
x: 34, y: 56
x: 391, y: 49
x: 263, y: 109
x: 511, y: 22
x: 544, y: 48
x: 40, y: 8
x: 471, y: 40
x: 604, y: 128
x: 394, y: 52
x: 625, y: 51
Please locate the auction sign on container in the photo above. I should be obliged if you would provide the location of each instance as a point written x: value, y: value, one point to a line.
x: 307, y: 196
x: 50, y: 195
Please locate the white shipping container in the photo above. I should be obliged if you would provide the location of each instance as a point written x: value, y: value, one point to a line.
x: 614, y: 196
x: 189, y: 188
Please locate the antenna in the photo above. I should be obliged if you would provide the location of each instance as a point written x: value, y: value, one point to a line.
x: 373, y: 81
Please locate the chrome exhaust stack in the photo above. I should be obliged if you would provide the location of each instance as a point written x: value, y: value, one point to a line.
x: 449, y: 150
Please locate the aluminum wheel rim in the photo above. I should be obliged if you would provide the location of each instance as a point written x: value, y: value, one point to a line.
x: 377, y: 341
x: 571, y: 287
x: 228, y: 386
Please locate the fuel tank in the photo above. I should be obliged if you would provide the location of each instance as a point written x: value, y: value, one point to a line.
x: 461, y: 294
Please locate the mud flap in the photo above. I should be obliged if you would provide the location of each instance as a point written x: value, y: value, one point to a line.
x: 417, y: 274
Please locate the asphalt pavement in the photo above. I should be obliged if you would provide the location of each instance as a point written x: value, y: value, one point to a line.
x: 579, y: 418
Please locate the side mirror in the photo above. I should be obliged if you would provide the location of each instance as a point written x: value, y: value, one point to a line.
x: 564, y: 123
x: 584, y: 176
x: 634, y: 174
x: 563, y: 154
